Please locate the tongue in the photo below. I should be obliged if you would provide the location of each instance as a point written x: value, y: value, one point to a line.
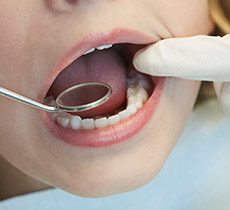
x: 100, y: 66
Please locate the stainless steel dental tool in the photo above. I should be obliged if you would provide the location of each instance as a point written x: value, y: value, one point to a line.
x: 80, y: 97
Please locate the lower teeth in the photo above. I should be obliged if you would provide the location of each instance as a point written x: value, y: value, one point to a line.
x: 136, y: 96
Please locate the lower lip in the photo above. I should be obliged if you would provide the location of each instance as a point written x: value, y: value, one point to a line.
x: 115, y: 134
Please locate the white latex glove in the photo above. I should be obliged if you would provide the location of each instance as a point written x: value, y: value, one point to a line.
x: 195, y: 58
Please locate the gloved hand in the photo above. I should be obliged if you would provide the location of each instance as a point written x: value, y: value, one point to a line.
x: 201, y: 57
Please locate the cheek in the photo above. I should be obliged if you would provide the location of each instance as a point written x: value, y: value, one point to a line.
x: 18, y: 34
x: 185, y: 17
x: 14, y: 23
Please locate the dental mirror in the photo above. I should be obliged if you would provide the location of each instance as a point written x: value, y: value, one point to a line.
x: 80, y: 97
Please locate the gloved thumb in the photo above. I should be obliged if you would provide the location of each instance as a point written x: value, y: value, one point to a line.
x: 195, y: 58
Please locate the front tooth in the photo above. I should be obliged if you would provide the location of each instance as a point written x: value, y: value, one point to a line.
x: 75, y: 122
x: 104, y: 47
x: 114, y: 119
x: 88, y: 124
x: 91, y: 50
x: 101, y: 122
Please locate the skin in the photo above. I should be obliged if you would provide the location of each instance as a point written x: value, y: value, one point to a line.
x: 34, y: 35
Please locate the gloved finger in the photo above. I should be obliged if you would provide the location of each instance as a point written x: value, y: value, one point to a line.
x: 196, y: 58
x: 223, y: 93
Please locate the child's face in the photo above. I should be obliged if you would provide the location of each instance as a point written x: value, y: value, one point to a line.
x: 34, y: 36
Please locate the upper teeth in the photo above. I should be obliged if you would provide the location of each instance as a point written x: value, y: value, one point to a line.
x: 104, y: 47
x: 99, y: 48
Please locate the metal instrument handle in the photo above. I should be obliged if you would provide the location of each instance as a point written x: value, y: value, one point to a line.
x: 28, y: 101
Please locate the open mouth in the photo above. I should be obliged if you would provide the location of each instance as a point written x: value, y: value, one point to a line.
x: 130, y: 107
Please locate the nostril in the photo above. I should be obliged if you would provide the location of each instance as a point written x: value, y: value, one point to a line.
x: 61, y: 5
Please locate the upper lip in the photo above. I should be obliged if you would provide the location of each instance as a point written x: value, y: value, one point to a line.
x: 115, y: 36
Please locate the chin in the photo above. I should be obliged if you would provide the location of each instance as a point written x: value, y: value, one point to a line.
x: 131, y: 164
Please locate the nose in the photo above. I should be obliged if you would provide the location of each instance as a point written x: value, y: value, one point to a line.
x: 61, y: 5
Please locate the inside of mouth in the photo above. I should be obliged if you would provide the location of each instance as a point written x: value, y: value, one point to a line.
x: 112, y: 66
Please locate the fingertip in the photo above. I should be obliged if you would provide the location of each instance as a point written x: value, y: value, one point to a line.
x: 138, y: 62
x: 143, y: 60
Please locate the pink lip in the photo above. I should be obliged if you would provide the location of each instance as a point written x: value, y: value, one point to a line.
x: 126, y: 128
